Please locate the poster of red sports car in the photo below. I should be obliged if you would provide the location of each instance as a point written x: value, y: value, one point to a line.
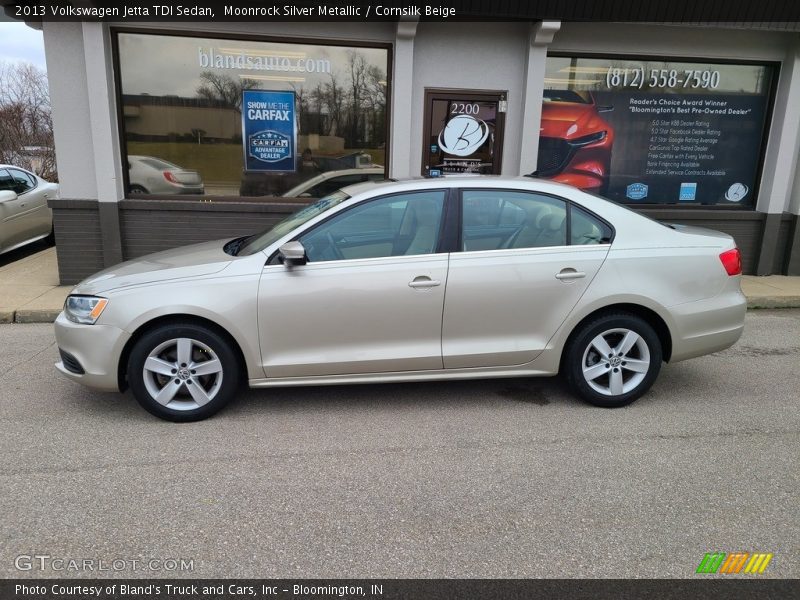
x: 655, y: 132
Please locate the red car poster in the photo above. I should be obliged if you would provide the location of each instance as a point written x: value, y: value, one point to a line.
x: 654, y: 132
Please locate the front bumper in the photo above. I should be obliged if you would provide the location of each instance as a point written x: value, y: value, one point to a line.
x: 95, y: 348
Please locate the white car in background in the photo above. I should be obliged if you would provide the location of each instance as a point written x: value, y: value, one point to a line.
x: 151, y: 175
x: 24, y: 214
x: 330, y: 181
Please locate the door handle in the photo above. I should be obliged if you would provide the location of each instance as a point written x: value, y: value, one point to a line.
x: 423, y: 281
x: 569, y: 274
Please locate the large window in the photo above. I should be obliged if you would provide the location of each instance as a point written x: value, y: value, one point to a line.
x: 225, y: 117
x: 644, y: 131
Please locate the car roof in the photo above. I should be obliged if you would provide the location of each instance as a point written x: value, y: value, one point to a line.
x: 325, y: 175
x: 28, y: 171
x: 354, y: 171
x: 473, y: 181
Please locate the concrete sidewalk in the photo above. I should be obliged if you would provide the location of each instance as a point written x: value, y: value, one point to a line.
x: 29, y: 290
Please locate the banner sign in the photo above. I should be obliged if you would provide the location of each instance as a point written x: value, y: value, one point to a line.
x: 655, y: 132
x: 269, y: 135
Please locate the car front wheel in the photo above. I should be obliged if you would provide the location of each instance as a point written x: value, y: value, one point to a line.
x: 613, y: 360
x: 183, y: 372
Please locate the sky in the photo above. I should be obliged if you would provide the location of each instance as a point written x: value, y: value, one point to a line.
x: 181, y: 60
x: 18, y: 42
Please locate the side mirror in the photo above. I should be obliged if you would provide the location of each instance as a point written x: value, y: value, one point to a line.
x: 604, y: 108
x: 292, y: 254
x: 7, y: 195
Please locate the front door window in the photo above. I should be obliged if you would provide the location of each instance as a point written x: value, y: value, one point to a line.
x: 399, y: 225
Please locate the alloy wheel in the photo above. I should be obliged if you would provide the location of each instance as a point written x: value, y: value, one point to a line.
x: 182, y: 374
x: 615, y: 362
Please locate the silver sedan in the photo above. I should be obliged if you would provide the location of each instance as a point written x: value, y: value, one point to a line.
x: 412, y: 281
x: 24, y: 214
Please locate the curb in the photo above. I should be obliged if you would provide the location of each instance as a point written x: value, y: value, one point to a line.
x: 774, y: 302
x: 36, y: 315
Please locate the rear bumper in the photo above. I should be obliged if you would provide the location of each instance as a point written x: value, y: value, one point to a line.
x: 708, y: 325
x: 95, y: 349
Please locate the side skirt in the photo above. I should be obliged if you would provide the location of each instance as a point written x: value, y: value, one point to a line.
x: 439, y: 375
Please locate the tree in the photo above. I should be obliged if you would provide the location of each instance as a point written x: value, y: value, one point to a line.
x: 358, y: 77
x: 331, y: 96
x: 223, y: 88
x: 26, y: 125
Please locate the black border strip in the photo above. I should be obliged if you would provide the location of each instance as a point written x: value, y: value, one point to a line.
x: 695, y: 11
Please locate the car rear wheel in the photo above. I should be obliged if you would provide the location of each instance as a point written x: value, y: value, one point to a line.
x: 613, y: 360
x: 137, y: 189
x: 183, y: 372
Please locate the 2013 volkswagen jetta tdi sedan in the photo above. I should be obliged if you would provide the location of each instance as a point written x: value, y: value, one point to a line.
x: 412, y: 281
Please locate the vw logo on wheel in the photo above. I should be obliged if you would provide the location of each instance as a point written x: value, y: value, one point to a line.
x: 463, y: 135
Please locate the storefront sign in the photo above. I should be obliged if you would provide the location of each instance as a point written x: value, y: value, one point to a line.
x: 653, y: 131
x: 268, y: 130
x: 463, y: 133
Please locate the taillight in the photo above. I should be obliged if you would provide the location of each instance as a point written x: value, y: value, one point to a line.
x: 732, y: 261
x: 170, y: 177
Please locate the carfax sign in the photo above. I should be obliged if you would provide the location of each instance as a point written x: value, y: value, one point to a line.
x: 268, y: 130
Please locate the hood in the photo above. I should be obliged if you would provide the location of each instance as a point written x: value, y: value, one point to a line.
x: 189, y: 261
x: 558, y: 119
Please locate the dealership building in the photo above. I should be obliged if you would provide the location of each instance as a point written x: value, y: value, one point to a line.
x: 693, y: 124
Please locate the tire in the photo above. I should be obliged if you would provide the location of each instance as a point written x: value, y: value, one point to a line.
x: 166, y: 385
x: 605, y: 378
x: 137, y: 189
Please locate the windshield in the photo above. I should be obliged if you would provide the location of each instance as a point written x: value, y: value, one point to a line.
x: 261, y: 240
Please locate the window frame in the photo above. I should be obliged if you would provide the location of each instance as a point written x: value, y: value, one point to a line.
x: 469, y: 95
x: 569, y: 203
x: 114, y: 33
x: 769, y: 114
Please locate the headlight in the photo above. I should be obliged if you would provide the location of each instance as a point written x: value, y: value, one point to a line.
x: 84, y: 309
x: 588, y: 139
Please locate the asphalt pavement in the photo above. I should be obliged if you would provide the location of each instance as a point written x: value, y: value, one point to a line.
x: 497, y: 478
